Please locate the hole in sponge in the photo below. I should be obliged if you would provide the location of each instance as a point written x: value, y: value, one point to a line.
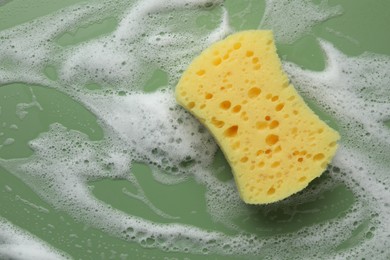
x: 208, y: 96
x: 200, y: 72
x: 236, y: 145
x: 274, y: 124
x: 275, y: 164
x: 261, y: 125
x: 244, y: 159
x: 254, y: 92
x: 191, y: 105
x: 244, y: 116
x: 237, y: 45
x: 236, y: 109
x: 217, y: 122
x: 217, y: 61
x: 249, y: 53
x: 294, y: 130
x: 231, y: 131
x: 225, y: 104
x: 272, y: 139
x: 271, y: 191
x: 261, y: 164
x: 302, y: 179
x: 318, y: 157
x: 279, y: 107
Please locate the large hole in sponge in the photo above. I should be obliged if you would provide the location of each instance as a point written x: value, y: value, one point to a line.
x: 225, y: 105
x: 272, y: 139
x: 231, y: 131
x: 254, y: 92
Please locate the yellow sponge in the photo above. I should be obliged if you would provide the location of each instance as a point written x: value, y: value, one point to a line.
x: 273, y: 141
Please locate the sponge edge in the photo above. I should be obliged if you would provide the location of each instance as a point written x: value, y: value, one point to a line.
x: 275, y: 144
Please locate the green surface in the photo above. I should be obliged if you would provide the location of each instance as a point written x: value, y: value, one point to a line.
x: 364, y: 21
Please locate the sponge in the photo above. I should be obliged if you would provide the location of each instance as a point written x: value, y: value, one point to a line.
x: 275, y: 144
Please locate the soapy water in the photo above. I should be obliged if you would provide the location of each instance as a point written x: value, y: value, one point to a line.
x: 152, y: 129
x: 291, y: 19
x: 16, y: 244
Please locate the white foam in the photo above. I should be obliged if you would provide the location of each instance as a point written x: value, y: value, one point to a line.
x: 152, y: 129
x: 354, y: 91
x: 18, y: 244
x: 290, y: 20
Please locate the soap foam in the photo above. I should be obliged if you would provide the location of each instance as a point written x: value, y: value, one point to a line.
x: 152, y: 129
x: 354, y: 91
x: 290, y: 20
x: 17, y: 244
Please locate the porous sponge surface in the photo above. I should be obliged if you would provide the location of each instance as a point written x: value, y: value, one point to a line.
x: 274, y: 143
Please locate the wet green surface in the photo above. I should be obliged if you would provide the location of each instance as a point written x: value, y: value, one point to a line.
x: 363, y: 27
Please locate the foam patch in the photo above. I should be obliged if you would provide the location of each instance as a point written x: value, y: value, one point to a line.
x: 290, y: 20
x: 17, y: 244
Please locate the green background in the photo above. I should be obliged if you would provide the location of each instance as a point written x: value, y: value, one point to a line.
x: 365, y: 21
